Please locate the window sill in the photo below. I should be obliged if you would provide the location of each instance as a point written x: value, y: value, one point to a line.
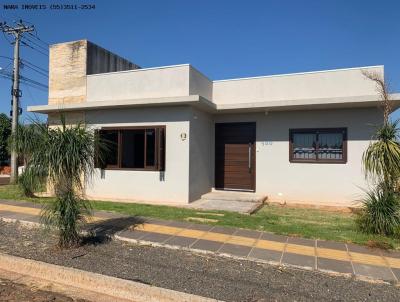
x: 130, y: 169
x: 297, y: 161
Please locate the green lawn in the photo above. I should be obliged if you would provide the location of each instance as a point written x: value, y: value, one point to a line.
x: 307, y: 223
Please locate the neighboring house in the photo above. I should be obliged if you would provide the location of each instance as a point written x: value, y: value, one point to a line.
x: 295, y: 137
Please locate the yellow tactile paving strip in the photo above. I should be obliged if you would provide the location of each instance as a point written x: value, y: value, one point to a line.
x: 332, y: 254
x: 33, y: 211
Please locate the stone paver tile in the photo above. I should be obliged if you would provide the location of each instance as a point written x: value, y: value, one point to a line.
x: 331, y: 245
x: 111, y: 215
x: 207, y: 245
x: 133, y: 234
x: 191, y: 233
x: 234, y: 249
x: 270, y: 245
x: 200, y: 227
x: 367, y: 259
x: 299, y: 260
x: 396, y: 271
x: 248, y: 233
x: 333, y: 254
x: 300, y: 249
x: 157, y: 221
x: 301, y: 241
x: 21, y: 204
x: 9, y: 214
x: 223, y: 230
x: 273, y: 237
x: 393, y: 262
x: 154, y: 237
x: 180, y: 241
x: 27, y: 204
x: 373, y: 271
x: 245, y: 241
x: 267, y: 255
x: 216, y: 236
x: 19, y: 209
x: 180, y: 224
x: 334, y: 265
x: 391, y: 254
x: 6, y: 202
x: 362, y: 249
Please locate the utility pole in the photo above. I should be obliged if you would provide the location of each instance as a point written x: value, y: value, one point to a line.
x: 17, y: 31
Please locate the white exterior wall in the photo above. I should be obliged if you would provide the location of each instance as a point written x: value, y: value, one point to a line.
x: 334, y: 184
x: 201, y: 154
x: 125, y: 185
x: 139, y: 83
x: 162, y: 82
x: 302, y: 86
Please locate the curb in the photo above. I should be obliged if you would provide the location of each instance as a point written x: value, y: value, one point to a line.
x: 114, y: 288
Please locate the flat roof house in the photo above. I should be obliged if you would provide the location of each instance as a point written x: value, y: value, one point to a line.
x: 178, y: 135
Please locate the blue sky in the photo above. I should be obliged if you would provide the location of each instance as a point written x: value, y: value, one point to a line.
x: 223, y: 39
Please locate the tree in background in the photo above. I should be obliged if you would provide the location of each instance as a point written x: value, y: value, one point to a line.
x: 5, y: 132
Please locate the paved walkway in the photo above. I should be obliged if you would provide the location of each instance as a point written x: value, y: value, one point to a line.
x: 308, y: 254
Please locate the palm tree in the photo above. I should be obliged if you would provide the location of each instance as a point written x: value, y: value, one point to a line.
x: 63, y: 157
x: 380, y: 212
x: 381, y: 160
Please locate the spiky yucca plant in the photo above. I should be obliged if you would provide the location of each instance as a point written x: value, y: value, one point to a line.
x: 380, y: 213
x: 382, y: 158
x: 65, y: 156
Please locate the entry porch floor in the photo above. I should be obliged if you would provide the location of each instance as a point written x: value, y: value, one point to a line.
x: 233, y: 201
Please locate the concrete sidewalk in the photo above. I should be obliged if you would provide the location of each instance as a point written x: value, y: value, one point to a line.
x: 326, y: 256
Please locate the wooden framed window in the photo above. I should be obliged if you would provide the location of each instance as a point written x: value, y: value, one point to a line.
x: 133, y: 148
x: 324, y: 145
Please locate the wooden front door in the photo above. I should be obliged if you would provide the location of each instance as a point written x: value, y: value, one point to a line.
x: 235, y: 156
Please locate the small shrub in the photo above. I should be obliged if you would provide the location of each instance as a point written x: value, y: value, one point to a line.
x: 30, y: 182
x: 380, y: 213
x: 379, y: 244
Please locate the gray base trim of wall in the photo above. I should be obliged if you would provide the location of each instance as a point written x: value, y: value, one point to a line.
x: 110, y: 287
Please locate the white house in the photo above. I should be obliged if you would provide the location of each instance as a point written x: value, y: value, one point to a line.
x: 178, y: 135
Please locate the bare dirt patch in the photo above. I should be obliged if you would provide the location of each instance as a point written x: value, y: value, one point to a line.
x: 15, y: 292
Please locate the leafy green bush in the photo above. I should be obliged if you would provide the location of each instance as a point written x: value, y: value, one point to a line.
x: 31, y: 181
x: 380, y: 213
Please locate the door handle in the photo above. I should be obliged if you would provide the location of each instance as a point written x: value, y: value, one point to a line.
x: 249, y: 157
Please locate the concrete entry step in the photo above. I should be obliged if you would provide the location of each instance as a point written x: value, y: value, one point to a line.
x: 234, y: 196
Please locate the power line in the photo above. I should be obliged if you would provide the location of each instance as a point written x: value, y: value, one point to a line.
x: 37, y: 37
x: 32, y: 85
x: 34, y: 43
x: 33, y: 65
x: 35, y: 70
x: 5, y: 57
x: 34, y: 82
x: 34, y: 48
x: 10, y: 74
